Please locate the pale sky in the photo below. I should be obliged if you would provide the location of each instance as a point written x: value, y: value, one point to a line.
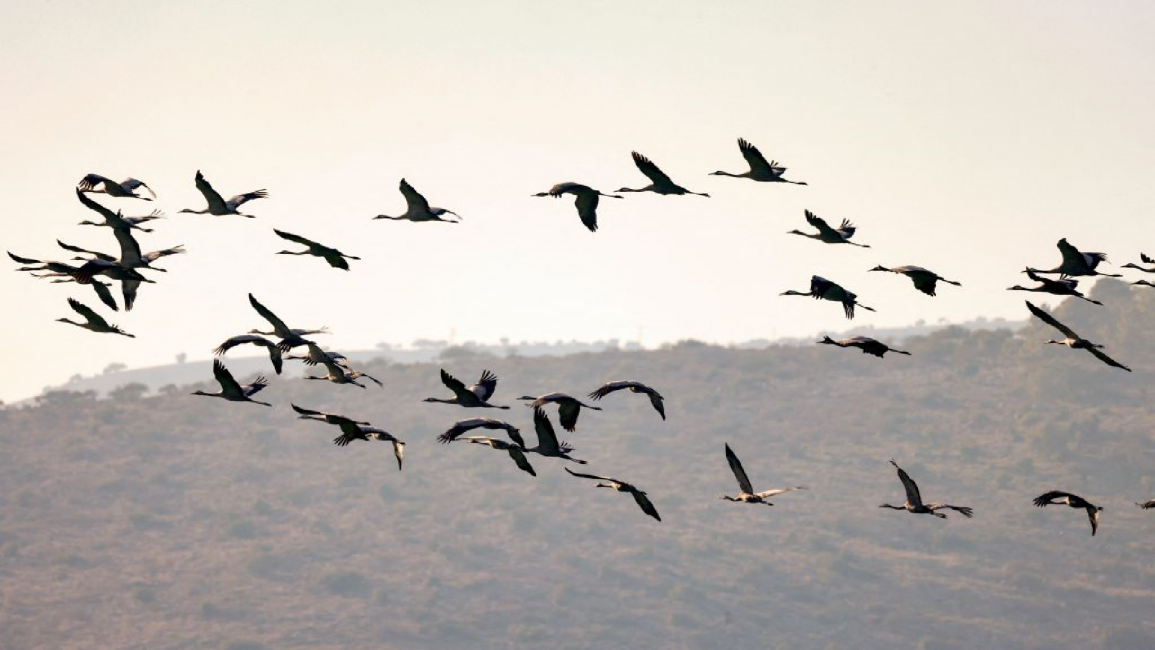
x: 965, y: 138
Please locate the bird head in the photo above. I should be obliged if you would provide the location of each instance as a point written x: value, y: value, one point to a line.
x: 880, y: 268
x: 827, y: 340
x: 1017, y: 287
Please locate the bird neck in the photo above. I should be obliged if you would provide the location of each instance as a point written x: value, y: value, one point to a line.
x: 721, y: 173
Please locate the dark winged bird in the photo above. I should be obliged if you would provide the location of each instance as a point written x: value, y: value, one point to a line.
x: 476, y: 396
x: 914, y: 499
x: 465, y: 426
x: 1057, y: 498
x: 1077, y: 263
x: 334, y: 257
x: 568, y: 408
x: 515, y: 450
x: 253, y: 339
x: 634, y: 387
x: 231, y: 390
x: 66, y: 273
x: 823, y: 289
x: 93, y: 321
x: 1073, y: 340
x: 547, y: 442
x: 1061, y: 287
x: 746, y: 491
x: 864, y: 343
x: 760, y: 170
x: 1145, y: 259
x: 131, y: 222
x: 659, y: 182
x: 290, y: 338
x: 828, y: 235
x: 1147, y: 505
x: 124, y: 189
x: 353, y: 430
x: 621, y: 486
x: 924, y: 280
x: 336, y: 371
x: 321, y: 416
x: 220, y: 207
x: 417, y: 208
x: 131, y: 256
x: 587, y: 201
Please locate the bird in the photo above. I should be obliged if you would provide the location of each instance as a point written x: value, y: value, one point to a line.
x: 220, y: 207
x: 828, y: 235
x: 417, y: 208
x: 254, y: 339
x: 1142, y: 283
x: 130, y: 255
x: 320, y: 357
x: 621, y: 486
x: 93, y: 321
x: 1056, y: 497
x: 321, y: 416
x: 464, y: 426
x: 351, y: 431
x: 760, y: 170
x: 1073, y: 340
x: 334, y: 257
x: 568, y: 408
x: 746, y: 491
x: 1076, y: 262
x: 1145, y: 259
x: 124, y: 189
x: 337, y: 373
x: 515, y: 450
x: 547, y: 442
x: 131, y: 222
x: 864, y: 343
x: 233, y: 391
x: 634, y: 387
x: 476, y: 396
x: 659, y: 182
x: 914, y: 502
x: 290, y: 338
x: 1147, y: 505
x: 1061, y: 287
x: 66, y: 273
x: 587, y: 201
x: 823, y: 289
x: 924, y: 280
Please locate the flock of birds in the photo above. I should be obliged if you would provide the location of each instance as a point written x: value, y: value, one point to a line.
x: 126, y: 268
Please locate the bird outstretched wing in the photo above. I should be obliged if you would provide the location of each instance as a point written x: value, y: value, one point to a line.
x: 1050, y: 320
x: 739, y: 471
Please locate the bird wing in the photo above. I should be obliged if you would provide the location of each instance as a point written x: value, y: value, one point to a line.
x: 241, y: 199
x: 546, y: 436
x: 414, y: 202
x: 657, y: 402
x: 90, y: 181
x: 454, y: 384
x: 593, y: 477
x: 926, y: 283
x: 109, y: 216
x: 257, y: 386
x: 847, y: 229
x: 1071, y: 255
x: 129, y: 248
x: 225, y: 378
x: 756, y: 160
x: 128, y: 289
x: 567, y: 413
x: 739, y: 471
x: 769, y: 493
x: 23, y: 260
x: 295, y: 238
x: 645, y: 504
x: 216, y: 203
x: 131, y: 184
x: 1146, y: 259
x: 1093, y: 515
x: 912, y: 494
x: 820, y: 223
x: 518, y: 457
x: 1050, y: 320
x: 77, y: 249
x: 1048, y: 498
x: 587, y: 207
x: 647, y: 167
x: 279, y: 325
x: 105, y: 295
x: 305, y: 411
x: 1099, y: 354
x: 485, y: 386
x: 86, y: 311
x: 963, y: 510
x: 612, y: 386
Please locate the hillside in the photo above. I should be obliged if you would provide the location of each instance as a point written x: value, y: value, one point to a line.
x: 175, y: 521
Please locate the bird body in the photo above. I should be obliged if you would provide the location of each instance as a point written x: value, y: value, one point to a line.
x: 418, y: 209
x: 924, y: 280
x: 760, y: 170
x: 586, y: 202
x: 823, y: 289
x: 746, y: 490
x: 217, y: 205
x: 914, y: 502
x: 1056, y: 497
x: 864, y: 343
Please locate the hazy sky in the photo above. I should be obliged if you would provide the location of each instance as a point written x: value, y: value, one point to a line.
x: 965, y: 138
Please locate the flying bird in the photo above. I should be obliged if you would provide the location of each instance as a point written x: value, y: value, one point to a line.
x: 823, y: 289
x: 515, y: 450
x: 634, y: 387
x: 1057, y: 498
x: 476, y: 396
x: 231, y: 390
x: 547, y: 442
x: 659, y: 182
x: 621, y: 486
x: 93, y: 321
x: 1061, y: 287
x: 1147, y: 505
x: 334, y: 257
x: 864, y: 343
x: 760, y: 170
x: 124, y: 189
x: 321, y: 416
x: 568, y: 408
x: 746, y: 491
x: 253, y: 339
x: 220, y: 207
x: 587, y: 201
x: 1076, y: 262
x: 914, y: 502
x: 290, y: 338
x: 828, y: 235
x: 924, y: 280
x: 351, y: 432
x: 417, y: 208
x: 66, y: 273
x: 1073, y: 340
x: 1145, y: 259
x: 465, y: 426
x: 337, y: 373
x: 131, y: 222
